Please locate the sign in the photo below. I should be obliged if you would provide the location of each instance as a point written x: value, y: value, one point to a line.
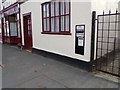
x: 80, y: 42
x: 80, y: 35
x: 80, y: 39
x: 11, y: 11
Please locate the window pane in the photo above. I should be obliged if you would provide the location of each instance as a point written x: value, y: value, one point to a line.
x: 52, y: 25
x: 29, y: 33
x: 45, y: 25
x: 62, y: 8
x: 47, y: 7
x: 57, y: 24
x: 13, y: 29
x: 57, y: 8
x: 67, y: 23
x: 48, y: 24
x: 52, y: 8
x: 67, y: 7
x: 5, y: 29
x: 44, y: 10
x: 29, y: 29
x: 62, y: 23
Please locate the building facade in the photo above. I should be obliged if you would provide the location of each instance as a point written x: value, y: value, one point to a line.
x: 11, y: 22
x: 61, y: 27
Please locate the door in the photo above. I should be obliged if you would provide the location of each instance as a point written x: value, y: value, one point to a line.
x: 27, y: 31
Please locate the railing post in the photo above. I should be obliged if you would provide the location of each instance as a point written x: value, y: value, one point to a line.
x: 93, y: 37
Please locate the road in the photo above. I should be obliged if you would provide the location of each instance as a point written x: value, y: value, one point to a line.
x: 24, y: 69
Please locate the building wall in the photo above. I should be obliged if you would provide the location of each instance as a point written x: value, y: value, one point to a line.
x: 60, y: 44
x: 99, y: 7
x: 8, y: 3
x: 81, y: 13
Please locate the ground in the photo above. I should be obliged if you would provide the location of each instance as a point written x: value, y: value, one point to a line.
x: 24, y: 69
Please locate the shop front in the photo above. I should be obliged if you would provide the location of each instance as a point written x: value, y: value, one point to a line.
x: 11, y: 25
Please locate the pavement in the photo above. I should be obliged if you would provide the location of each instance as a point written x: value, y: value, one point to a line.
x: 23, y: 69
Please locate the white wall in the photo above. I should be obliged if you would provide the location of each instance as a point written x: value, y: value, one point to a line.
x: 99, y: 7
x: 60, y: 44
x: 9, y: 2
x: 105, y: 5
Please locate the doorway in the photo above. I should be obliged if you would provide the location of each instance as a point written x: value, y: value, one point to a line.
x: 27, y: 25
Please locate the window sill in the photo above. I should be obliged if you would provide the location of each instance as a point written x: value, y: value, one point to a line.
x: 57, y: 33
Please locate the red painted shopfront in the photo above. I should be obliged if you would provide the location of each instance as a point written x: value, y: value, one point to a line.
x: 11, y: 25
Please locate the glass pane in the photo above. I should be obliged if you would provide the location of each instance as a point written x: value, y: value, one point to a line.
x: 62, y: 23
x: 29, y: 33
x: 48, y: 24
x: 29, y: 21
x: 52, y: 25
x: 44, y: 10
x: 67, y: 7
x: 52, y: 8
x: 12, y: 18
x: 29, y: 28
x: 57, y: 24
x: 45, y: 25
x: 62, y: 8
x: 47, y: 10
x: 5, y: 29
x: 57, y: 8
x: 67, y: 23
x: 13, y: 29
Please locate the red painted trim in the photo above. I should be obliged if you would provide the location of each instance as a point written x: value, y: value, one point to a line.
x: 42, y: 19
x: 69, y: 17
x: 54, y: 17
x: 62, y: 33
x: 64, y: 16
x: 59, y: 16
x: 49, y: 15
x: 26, y: 14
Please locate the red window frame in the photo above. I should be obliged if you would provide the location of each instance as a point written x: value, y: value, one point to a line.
x: 65, y: 15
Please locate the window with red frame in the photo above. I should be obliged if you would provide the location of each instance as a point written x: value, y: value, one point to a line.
x: 56, y: 17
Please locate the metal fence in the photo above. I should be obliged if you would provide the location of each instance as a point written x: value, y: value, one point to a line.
x: 108, y: 43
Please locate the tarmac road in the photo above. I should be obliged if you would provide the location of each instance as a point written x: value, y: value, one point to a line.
x: 27, y: 70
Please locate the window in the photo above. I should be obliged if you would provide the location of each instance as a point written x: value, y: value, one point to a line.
x: 56, y: 17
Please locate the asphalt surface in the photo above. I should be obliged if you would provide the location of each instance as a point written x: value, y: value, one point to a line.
x: 24, y: 69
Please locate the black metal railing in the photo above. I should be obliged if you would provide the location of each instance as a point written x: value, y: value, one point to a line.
x: 108, y: 45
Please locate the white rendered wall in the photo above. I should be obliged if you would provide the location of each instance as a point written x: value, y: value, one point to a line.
x: 60, y: 44
x: 99, y: 7
x: 8, y: 3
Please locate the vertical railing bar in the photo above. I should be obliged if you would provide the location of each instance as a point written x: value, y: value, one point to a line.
x: 108, y: 41
x: 102, y: 39
x: 114, y: 42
